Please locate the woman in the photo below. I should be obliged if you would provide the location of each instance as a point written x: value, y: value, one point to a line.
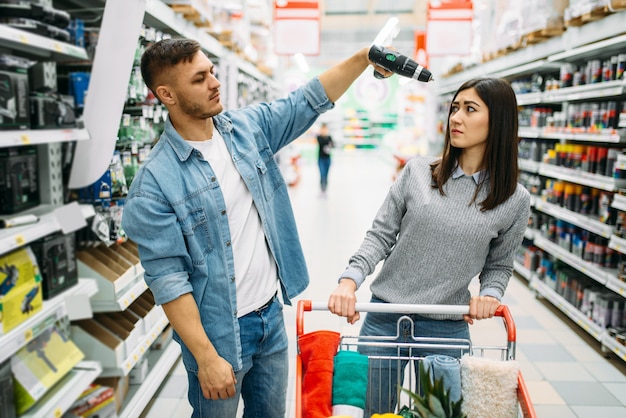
x: 444, y: 221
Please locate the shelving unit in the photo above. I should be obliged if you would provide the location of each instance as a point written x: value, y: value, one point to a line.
x: 592, y: 40
x: 73, y: 302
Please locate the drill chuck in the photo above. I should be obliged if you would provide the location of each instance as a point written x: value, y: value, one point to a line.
x: 400, y: 64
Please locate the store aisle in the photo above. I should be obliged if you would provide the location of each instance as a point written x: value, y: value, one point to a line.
x: 565, y: 375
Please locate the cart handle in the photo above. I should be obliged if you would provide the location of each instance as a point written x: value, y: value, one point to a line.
x: 502, y: 311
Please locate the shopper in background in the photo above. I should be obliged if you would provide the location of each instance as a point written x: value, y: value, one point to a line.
x: 211, y: 215
x: 325, y: 144
x: 444, y: 221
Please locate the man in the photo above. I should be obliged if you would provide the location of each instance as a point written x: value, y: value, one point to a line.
x: 211, y: 215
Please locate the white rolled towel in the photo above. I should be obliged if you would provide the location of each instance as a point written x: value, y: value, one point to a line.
x: 489, y: 387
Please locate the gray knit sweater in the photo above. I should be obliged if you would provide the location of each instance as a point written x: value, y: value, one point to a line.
x: 433, y: 245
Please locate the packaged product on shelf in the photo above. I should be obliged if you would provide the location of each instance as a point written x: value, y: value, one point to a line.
x: 14, y: 101
x: 19, y: 179
x: 7, y: 397
x: 120, y: 387
x: 40, y: 364
x: 57, y: 262
x: 96, y: 402
x: 20, y: 288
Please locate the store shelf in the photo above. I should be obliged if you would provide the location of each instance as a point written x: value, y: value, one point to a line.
x: 612, y: 45
x: 574, y: 218
x: 49, y: 223
x: 522, y: 271
x: 618, y: 244
x: 580, y: 177
x: 616, y: 286
x: 609, y: 135
x: 611, y: 344
x: 576, y: 43
x: 526, y: 99
x: 139, y: 395
x: 619, y: 202
x: 574, y: 314
x: 52, y: 310
x: 160, y: 16
x: 108, y: 300
x: 140, y: 350
x: 40, y: 46
x: 528, y: 165
x: 587, y: 91
x: 43, y: 136
x: 60, y: 398
x: 596, y: 273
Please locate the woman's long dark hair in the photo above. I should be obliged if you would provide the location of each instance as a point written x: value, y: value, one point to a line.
x: 500, y: 158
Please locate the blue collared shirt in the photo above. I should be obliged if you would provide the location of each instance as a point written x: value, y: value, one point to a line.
x: 458, y: 172
x: 175, y: 212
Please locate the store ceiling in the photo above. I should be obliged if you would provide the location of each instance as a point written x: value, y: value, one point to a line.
x: 346, y: 25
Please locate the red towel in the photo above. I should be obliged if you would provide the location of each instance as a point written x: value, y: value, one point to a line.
x: 317, y: 352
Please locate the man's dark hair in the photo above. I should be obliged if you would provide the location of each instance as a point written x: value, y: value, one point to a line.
x: 161, y: 56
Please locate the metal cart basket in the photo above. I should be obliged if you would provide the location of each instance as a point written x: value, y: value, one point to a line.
x: 503, y: 352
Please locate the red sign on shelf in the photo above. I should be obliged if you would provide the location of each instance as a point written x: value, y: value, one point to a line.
x: 296, y: 27
x: 449, y: 27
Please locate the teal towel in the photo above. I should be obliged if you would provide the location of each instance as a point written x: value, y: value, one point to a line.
x: 449, y: 368
x: 350, y: 378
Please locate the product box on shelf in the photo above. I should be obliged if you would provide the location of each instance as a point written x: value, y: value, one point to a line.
x: 130, y: 322
x: 14, y: 90
x: 40, y: 364
x: 99, y: 343
x: 147, y: 310
x: 93, y: 263
x: 96, y: 402
x: 20, y: 288
x: 7, y: 397
x: 120, y: 387
x: 139, y: 373
x: 57, y: 262
x: 19, y: 179
x: 123, y: 329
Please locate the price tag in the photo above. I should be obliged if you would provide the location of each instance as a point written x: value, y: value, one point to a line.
x: 24, y: 139
x: 135, y: 358
x: 20, y: 240
x: 58, y: 412
x: 24, y: 39
x: 57, y: 47
x: 28, y: 335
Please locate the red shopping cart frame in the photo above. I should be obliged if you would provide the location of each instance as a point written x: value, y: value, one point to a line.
x: 525, y: 405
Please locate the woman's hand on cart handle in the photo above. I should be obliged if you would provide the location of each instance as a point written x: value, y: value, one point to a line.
x: 481, y: 307
x: 341, y: 302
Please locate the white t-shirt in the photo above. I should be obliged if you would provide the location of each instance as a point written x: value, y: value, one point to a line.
x: 256, y: 275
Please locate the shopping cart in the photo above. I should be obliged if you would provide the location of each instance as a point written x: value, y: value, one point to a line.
x: 503, y: 352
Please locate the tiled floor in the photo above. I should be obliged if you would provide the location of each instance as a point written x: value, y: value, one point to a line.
x: 564, y: 371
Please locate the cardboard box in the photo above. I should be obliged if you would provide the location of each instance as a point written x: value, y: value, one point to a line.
x: 123, y: 329
x: 96, y: 402
x: 40, y: 364
x: 20, y: 288
x: 98, y: 343
x: 56, y: 257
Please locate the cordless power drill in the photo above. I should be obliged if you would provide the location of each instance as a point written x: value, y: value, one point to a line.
x: 400, y: 64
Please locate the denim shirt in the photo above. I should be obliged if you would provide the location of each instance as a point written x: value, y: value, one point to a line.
x: 175, y: 212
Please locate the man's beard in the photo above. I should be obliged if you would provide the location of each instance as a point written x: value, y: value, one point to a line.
x: 197, y: 110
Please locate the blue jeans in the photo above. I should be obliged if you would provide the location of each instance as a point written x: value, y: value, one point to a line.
x: 387, y: 373
x: 324, y: 165
x: 262, y: 383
